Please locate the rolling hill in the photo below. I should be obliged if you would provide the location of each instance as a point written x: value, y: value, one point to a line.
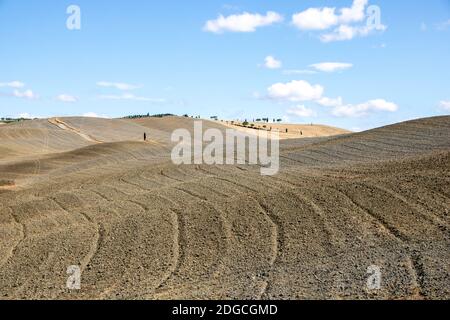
x: 90, y: 192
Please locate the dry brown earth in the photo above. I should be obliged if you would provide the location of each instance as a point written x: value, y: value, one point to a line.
x: 142, y: 228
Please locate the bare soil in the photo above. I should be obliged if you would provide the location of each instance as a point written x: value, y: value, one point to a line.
x: 140, y: 227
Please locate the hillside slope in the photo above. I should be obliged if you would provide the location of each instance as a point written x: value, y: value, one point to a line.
x: 141, y: 227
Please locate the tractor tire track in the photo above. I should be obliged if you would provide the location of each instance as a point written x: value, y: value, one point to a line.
x: 415, y: 266
x: 23, y: 235
x: 96, y: 240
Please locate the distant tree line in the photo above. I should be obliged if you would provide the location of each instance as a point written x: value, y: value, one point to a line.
x: 148, y: 115
x: 9, y: 120
x: 267, y: 120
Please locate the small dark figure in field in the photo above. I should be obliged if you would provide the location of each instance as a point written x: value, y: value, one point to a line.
x: 145, y: 136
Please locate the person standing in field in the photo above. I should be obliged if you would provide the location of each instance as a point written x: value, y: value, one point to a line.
x: 145, y: 136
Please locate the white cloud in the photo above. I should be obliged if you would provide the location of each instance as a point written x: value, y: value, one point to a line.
x: 346, y: 32
x: 349, y: 110
x: 301, y: 111
x: 298, y: 91
x: 295, y: 91
x: 245, y: 22
x: 323, y: 67
x: 355, y: 13
x: 118, y: 85
x: 272, y: 63
x: 66, y: 98
x: 328, y: 102
x: 321, y: 19
x: 362, y: 109
x: 331, y: 66
x: 342, y: 33
x: 445, y: 105
x: 13, y: 84
x: 130, y: 96
x: 315, y: 19
x: 325, y: 18
x: 94, y: 115
x: 28, y: 94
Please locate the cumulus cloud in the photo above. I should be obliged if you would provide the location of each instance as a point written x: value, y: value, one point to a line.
x: 245, y: 22
x: 315, y: 19
x: 118, y: 85
x: 27, y: 94
x: 271, y: 63
x: 302, y: 91
x: 331, y: 66
x: 132, y: 97
x: 340, y: 109
x: 329, y: 102
x: 445, y: 105
x: 321, y: 19
x: 66, y: 98
x: 320, y: 67
x: 295, y: 91
x: 362, y: 109
x: 354, y: 14
x: 325, y: 18
x: 346, y: 32
x: 12, y: 84
x: 16, y: 85
x: 301, y: 111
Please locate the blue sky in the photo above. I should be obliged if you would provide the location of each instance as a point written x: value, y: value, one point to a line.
x: 303, y: 61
